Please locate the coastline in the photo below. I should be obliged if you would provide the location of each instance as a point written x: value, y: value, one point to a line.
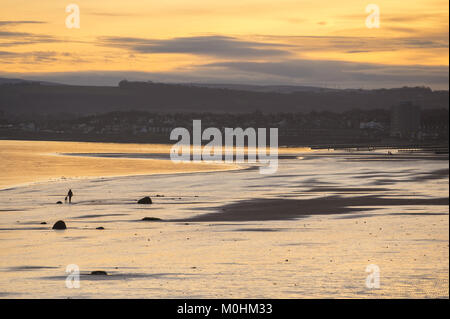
x: 28, y: 162
x: 31, y: 161
x: 160, y: 139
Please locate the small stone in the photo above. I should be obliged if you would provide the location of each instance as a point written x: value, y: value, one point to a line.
x: 59, y: 225
x: 151, y: 219
x: 145, y: 200
x: 101, y: 227
x: 99, y: 273
x: 43, y: 223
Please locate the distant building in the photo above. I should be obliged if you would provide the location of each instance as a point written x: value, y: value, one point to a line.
x: 405, y: 120
x: 371, y: 125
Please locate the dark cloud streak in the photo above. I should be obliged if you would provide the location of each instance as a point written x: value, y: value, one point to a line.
x: 346, y: 73
x: 214, y: 46
x: 17, y: 22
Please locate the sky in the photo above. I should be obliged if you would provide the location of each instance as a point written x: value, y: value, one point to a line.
x: 284, y: 42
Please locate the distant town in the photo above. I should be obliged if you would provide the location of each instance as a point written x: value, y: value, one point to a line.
x: 146, y: 112
x: 405, y: 123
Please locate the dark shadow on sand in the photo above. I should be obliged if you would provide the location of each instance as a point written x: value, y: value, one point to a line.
x: 29, y: 268
x: 87, y: 276
x: 286, y: 209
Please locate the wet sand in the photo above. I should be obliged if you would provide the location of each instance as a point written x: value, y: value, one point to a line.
x: 308, y: 231
x: 25, y: 162
x: 39, y: 161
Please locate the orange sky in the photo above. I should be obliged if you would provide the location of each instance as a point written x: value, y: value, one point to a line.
x: 247, y: 39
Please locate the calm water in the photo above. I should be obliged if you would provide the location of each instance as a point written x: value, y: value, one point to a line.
x: 317, y: 256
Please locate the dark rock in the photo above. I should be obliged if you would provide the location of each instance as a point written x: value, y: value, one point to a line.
x: 99, y: 273
x: 151, y: 219
x: 145, y: 200
x: 59, y: 225
x: 59, y: 202
x: 101, y: 227
x: 43, y: 223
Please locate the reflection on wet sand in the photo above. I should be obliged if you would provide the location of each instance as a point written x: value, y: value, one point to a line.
x: 32, y: 161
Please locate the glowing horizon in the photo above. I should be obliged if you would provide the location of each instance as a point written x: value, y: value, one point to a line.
x: 291, y: 42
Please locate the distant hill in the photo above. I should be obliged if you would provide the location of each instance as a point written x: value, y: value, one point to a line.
x: 42, y: 98
x: 263, y: 88
x: 21, y: 81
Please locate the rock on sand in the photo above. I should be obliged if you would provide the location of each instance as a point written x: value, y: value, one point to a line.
x: 145, y: 200
x: 59, y: 225
x: 151, y: 219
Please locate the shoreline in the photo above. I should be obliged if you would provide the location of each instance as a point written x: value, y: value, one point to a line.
x: 28, y: 162
x: 284, y: 142
x: 114, y: 159
x: 79, y: 178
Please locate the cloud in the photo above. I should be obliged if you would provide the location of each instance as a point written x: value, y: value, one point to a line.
x: 30, y: 57
x: 12, y: 38
x: 18, y: 38
x: 11, y: 34
x: 39, y: 57
x: 214, y: 46
x: 17, y: 22
x: 355, y: 43
x: 8, y: 54
x: 347, y: 74
x: 113, y: 14
x: 405, y: 16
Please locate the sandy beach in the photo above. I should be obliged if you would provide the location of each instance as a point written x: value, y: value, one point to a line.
x: 32, y: 161
x: 308, y: 231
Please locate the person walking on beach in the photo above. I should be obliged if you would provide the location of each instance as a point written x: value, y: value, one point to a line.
x: 69, y: 195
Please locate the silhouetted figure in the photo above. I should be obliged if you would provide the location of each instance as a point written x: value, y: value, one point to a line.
x: 70, y: 194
